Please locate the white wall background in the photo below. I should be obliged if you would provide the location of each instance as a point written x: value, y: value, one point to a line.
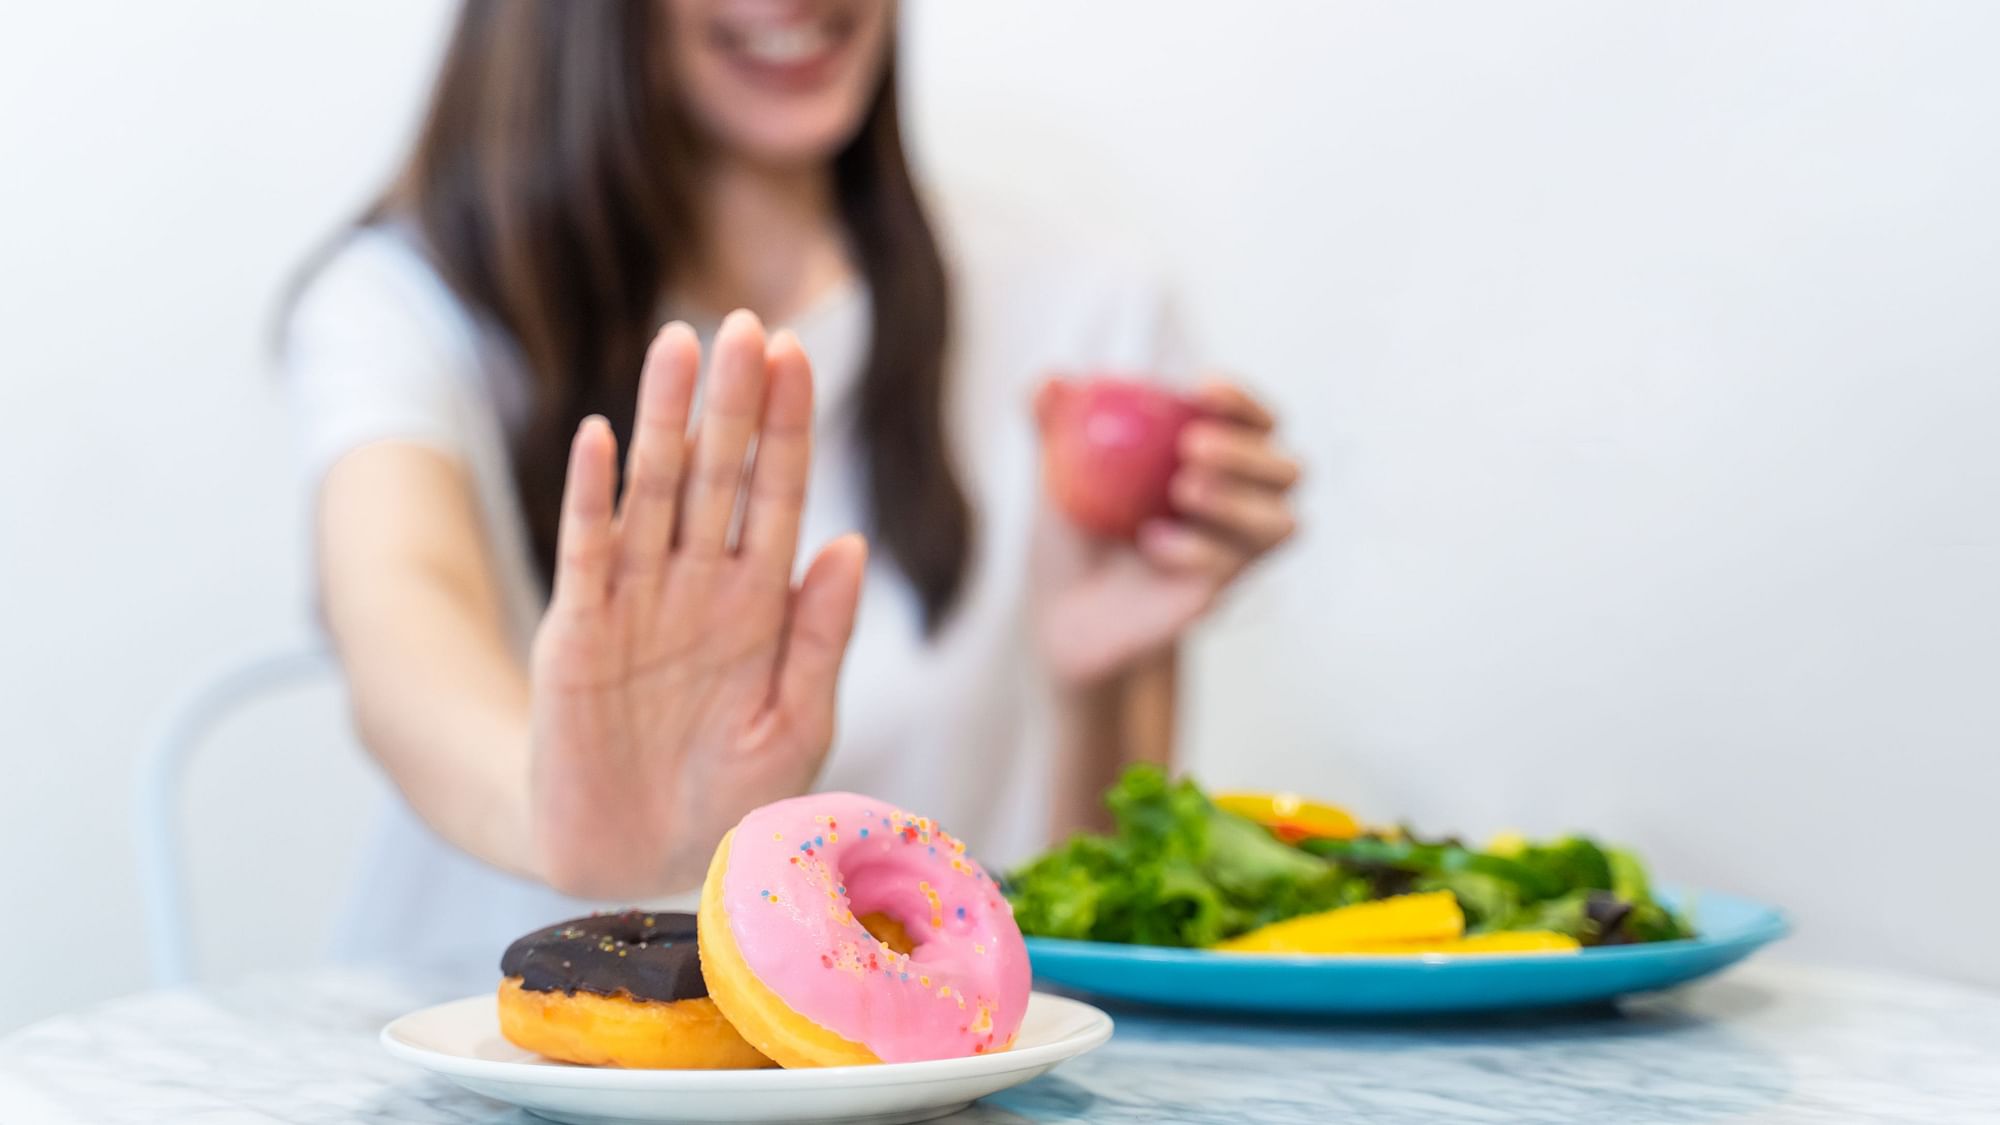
x: 1645, y: 358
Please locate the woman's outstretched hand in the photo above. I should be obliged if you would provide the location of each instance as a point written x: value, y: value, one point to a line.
x: 1105, y: 605
x: 680, y: 679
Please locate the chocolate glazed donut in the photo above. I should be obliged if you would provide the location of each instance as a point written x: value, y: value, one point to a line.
x: 617, y: 990
x: 646, y: 956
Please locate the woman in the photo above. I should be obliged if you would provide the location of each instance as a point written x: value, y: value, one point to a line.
x: 580, y: 674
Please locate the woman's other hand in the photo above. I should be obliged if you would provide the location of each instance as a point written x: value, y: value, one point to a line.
x: 680, y: 678
x: 1105, y: 605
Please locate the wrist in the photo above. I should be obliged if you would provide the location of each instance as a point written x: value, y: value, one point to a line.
x: 1078, y: 673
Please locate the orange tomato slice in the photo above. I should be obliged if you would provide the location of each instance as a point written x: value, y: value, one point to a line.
x: 1291, y: 817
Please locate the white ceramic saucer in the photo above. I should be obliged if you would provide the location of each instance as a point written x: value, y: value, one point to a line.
x: 461, y: 1041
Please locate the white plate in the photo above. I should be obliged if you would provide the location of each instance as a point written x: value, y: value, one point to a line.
x: 461, y: 1040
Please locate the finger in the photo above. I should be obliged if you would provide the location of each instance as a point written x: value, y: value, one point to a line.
x: 1185, y: 549
x: 1227, y: 400
x: 1237, y: 451
x: 784, y: 460
x: 1258, y: 517
x: 1048, y: 399
x: 654, y: 464
x: 822, y: 620
x: 583, y: 535
x: 732, y: 402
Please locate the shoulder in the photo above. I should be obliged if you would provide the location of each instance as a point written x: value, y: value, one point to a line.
x: 375, y: 291
x: 1090, y: 297
x: 375, y: 348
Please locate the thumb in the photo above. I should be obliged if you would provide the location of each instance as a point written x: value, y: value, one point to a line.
x: 822, y: 620
x: 1049, y: 397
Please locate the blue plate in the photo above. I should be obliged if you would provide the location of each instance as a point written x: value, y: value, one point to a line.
x: 1730, y: 929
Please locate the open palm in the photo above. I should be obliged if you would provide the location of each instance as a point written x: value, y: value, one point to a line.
x: 680, y: 678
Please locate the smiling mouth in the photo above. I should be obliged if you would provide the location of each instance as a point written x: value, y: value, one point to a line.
x: 792, y: 41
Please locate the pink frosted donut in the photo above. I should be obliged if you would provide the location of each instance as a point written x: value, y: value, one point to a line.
x: 788, y: 960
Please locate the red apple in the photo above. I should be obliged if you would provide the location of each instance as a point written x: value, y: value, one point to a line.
x: 1110, y: 448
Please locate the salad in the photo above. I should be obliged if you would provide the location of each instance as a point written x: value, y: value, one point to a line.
x: 1260, y: 873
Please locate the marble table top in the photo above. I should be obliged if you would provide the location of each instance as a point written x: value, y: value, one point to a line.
x: 1769, y: 1042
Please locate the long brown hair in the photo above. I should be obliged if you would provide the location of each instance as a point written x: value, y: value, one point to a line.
x: 552, y: 186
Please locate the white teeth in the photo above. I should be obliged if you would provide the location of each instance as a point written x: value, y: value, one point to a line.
x: 785, y: 45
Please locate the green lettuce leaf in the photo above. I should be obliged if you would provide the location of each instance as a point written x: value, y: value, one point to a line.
x: 1179, y: 871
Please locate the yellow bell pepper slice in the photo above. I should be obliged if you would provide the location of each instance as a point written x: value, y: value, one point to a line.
x: 1432, y: 916
x: 1506, y: 941
x: 1291, y: 817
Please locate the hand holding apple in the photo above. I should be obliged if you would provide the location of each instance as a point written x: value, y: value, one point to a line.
x: 1173, y: 496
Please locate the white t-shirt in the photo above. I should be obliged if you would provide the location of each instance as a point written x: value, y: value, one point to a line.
x: 955, y: 726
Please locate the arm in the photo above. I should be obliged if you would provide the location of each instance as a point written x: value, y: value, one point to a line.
x: 414, y: 610
x: 676, y: 681
x: 1104, y: 727
x: 1112, y: 615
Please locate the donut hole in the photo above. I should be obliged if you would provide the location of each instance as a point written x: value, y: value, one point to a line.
x: 897, y: 904
x: 887, y: 930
